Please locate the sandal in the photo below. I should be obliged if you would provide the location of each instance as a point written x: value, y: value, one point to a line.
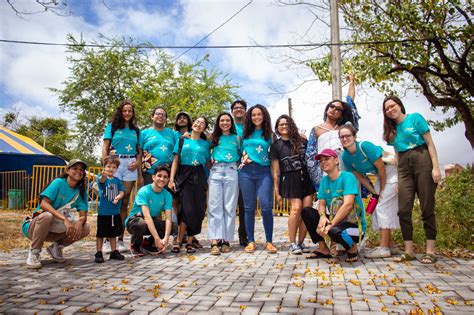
x: 405, y: 257
x: 215, y: 249
x: 225, y: 248
x: 176, y: 249
x: 318, y: 255
x: 270, y: 248
x: 190, y: 249
x: 352, y: 257
x: 429, y: 259
x: 195, y: 243
x: 250, y: 248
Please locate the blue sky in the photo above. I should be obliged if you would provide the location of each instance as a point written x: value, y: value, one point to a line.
x: 27, y: 71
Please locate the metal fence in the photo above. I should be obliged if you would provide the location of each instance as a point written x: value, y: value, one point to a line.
x: 14, y: 189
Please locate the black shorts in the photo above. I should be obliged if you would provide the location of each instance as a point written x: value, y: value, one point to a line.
x: 109, y: 225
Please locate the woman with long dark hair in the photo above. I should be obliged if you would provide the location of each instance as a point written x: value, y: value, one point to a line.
x: 418, y: 173
x: 121, y: 138
x: 255, y: 177
x: 67, y: 191
x: 189, y: 177
x: 223, y: 184
x: 291, y: 179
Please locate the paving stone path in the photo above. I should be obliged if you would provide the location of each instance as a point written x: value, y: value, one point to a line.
x: 233, y: 283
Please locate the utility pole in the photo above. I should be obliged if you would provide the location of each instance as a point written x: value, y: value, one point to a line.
x: 335, y: 52
x: 290, y: 108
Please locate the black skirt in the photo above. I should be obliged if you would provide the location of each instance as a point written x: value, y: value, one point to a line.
x: 295, y: 184
x: 109, y: 225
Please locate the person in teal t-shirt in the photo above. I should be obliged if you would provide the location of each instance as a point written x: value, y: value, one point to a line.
x: 69, y: 189
x: 158, y: 143
x: 122, y: 138
x: 145, y: 216
x: 255, y: 177
x: 223, y: 184
x: 189, y: 177
x: 238, y: 109
x: 418, y: 173
x: 339, y: 198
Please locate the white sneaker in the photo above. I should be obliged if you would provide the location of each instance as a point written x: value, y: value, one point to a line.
x: 378, y: 252
x: 295, y: 249
x: 121, y: 247
x: 106, y: 249
x: 304, y: 248
x: 33, y: 260
x: 56, y: 252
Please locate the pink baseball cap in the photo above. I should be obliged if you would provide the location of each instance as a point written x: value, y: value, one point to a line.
x: 326, y: 152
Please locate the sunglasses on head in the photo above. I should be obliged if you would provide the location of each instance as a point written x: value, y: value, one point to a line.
x: 332, y: 106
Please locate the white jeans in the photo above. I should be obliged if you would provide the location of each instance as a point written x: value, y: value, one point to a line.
x: 222, y: 201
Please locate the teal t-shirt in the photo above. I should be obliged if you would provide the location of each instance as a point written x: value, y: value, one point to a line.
x: 60, y: 193
x: 124, y: 140
x: 227, y: 151
x: 108, y: 190
x: 358, y: 162
x: 257, y: 148
x: 345, y: 184
x: 410, y: 133
x: 239, y: 128
x: 156, y: 202
x: 157, y: 146
x: 194, y: 152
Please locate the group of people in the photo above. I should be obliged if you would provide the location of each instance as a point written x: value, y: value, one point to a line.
x: 186, y: 171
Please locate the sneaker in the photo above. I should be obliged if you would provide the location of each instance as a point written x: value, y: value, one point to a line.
x: 378, y: 252
x: 106, y: 247
x: 33, y: 260
x: 304, y: 248
x: 394, y: 250
x: 136, y: 251
x: 56, y: 252
x: 243, y: 242
x: 115, y: 255
x: 121, y: 246
x: 99, y: 258
x: 295, y: 249
x: 146, y: 248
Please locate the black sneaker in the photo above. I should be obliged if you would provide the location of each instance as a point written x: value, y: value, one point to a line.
x: 243, y: 242
x: 115, y: 255
x: 136, y: 251
x: 99, y: 258
x: 147, y: 249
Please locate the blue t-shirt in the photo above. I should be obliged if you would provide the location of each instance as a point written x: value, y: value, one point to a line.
x: 60, y: 193
x: 156, y: 202
x: 108, y: 190
x: 239, y: 128
x: 332, y: 191
x: 257, y: 148
x: 410, y: 133
x: 227, y: 151
x: 358, y: 162
x: 194, y: 152
x: 157, y: 147
x: 124, y: 140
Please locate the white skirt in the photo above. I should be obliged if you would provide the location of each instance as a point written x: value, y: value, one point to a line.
x: 385, y: 215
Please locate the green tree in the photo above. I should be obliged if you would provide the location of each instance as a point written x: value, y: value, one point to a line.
x: 103, y: 76
x: 421, y: 45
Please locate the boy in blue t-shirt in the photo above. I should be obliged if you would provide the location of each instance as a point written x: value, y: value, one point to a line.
x: 109, y: 223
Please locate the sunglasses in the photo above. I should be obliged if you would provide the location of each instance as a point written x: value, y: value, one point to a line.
x: 332, y: 106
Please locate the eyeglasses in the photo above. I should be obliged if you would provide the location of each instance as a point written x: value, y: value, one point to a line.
x: 283, y: 125
x: 332, y: 106
x: 345, y: 137
x: 160, y: 114
x: 199, y: 122
x: 239, y: 108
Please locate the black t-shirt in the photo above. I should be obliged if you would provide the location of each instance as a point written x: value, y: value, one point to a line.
x: 281, y: 150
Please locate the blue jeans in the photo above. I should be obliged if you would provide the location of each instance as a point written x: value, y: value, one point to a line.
x: 255, y: 181
x: 222, y: 201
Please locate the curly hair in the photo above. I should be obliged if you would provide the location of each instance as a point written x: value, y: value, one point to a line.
x: 217, y: 132
x: 117, y: 120
x: 295, y: 138
x: 249, y: 127
x: 389, y: 125
x: 178, y: 115
x: 346, y: 115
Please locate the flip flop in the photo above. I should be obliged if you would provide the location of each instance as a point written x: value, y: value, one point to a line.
x: 429, y: 258
x: 405, y: 257
x: 318, y: 255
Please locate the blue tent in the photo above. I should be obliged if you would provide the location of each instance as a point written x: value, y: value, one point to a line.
x: 19, y: 153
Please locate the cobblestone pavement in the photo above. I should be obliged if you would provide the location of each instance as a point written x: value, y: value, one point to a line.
x: 233, y: 283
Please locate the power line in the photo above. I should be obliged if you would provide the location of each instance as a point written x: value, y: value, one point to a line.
x: 317, y: 45
x: 207, y: 36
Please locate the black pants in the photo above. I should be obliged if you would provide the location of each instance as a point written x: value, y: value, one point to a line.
x: 137, y: 228
x: 343, y: 233
x: 242, y: 232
